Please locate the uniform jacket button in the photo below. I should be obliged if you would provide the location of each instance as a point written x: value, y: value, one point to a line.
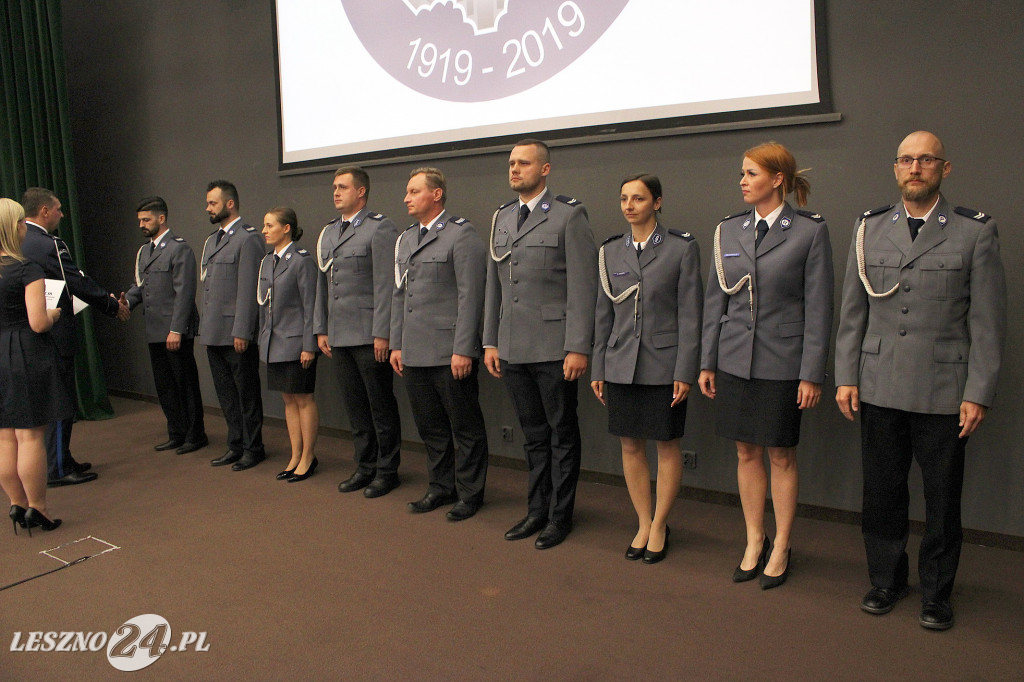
x: 903, y: 332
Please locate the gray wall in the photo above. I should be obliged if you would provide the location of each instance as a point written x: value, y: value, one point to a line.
x: 167, y: 96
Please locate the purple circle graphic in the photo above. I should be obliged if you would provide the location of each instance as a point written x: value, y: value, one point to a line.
x: 478, y: 50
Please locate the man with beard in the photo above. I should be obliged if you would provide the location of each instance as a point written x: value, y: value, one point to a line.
x: 42, y: 245
x: 165, y: 286
x: 352, y: 321
x: 538, y: 332
x: 229, y: 269
x: 917, y: 354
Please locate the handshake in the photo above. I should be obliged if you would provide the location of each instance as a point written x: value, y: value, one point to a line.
x: 123, y: 311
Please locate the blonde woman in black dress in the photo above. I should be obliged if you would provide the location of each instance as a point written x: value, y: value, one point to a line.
x: 31, y: 391
x: 647, y: 352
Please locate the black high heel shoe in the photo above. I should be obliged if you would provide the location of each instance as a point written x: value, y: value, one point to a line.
x: 17, y: 515
x: 295, y: 478
x: 742, y: 576
x: 285, y: 474
x: 34, y: 517
x: 654, y: 557
x: 770, y: 581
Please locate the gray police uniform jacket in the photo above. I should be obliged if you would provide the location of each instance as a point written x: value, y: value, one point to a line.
x: 165, y: 286
x: 439, y: 293
x: 651, y: 336
x: 356, y: 280
x: 937, y: 340
x: 228, y: 272
x: 286, y: 295
x: 541, y: 282
x: 781, y: 330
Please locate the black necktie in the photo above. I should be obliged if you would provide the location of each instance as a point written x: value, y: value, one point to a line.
x: 524, y: 213
x: 220, y: 233
x: 915, y: 226
x: 423, y: 233
x: 762, y: 230
x: 639, y: 250
x: 344, y: 226
x: 277, y: 259
x: 152, y: 248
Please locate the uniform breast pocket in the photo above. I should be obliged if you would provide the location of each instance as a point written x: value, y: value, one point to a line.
x: 942, y: 276
x: 541, y: 251
x: 435, y: 267
x: 665, y: 339
x: 354, y: 259
x: 883, y: 269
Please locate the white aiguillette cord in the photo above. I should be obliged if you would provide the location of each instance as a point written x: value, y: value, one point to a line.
x: 720, y: 269
x: 399, y: 278
x: 606, y: 285
x: 263, y: 300
x: 862, y: 266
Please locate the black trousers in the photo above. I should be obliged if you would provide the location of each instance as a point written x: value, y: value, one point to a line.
x: 368, y: 393
x: 236, y: 376
x: 890, y: 439
x: 59, y: 462
x: 448, y: 416
x: 177, y: 386
x: 546, y: 406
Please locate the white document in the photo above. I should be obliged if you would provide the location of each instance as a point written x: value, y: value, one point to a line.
x: 54, y: 288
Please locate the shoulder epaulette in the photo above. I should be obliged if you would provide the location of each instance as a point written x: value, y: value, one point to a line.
x: 568, y: 200
x: 508, y: 203
x: 250, y: 228
x: 302, y: 252
x: 416, y: 225
x: 457, y: 220
x: 816, y: 217
x: 972, y: 214
x: 735, y: 215
x: 685, y: 235
x: 179, y: 239
x: 611, y: 239
x: 876, y: 211
x: 375, y: 216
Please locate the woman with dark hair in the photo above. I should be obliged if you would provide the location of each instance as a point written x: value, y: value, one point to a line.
x: 286, y: 291
x: 32, y: 394
x: 767, y: 323
x: 646, y: 352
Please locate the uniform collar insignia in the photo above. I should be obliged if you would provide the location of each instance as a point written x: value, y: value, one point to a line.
x: 545, y: 206
x: 746, y: 223
x: 942, y: 219
x: 784, y: 222
x: 895, y: 216
x: 656, y: 239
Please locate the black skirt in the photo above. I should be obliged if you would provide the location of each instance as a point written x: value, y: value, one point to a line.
x: 33, y: 391
x: 759, y: 411
x: 290, y: 377
x: 640, y: 411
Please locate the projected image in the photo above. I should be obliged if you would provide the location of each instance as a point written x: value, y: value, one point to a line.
x: 376, y: 79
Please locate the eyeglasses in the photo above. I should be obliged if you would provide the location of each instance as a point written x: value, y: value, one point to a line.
x: 926, y: 161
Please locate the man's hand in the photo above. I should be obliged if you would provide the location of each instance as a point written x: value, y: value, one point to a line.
x: 492, y: 362
x: 971, y: 416
x: 848, y: 399
x: 381, y: 350
x: 123, y: 311
x: 680, y: 390
x: 306, y: 358
x: 706, y: 381
x: 396, y: 362
x: 807, y: 394
x: 173, y: 341
x: 241, y: 345
x: 323, y: 345
x: 462, y: 365
x: 574, y: 366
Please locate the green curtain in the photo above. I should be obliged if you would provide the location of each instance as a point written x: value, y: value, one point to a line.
x: 35, y: 135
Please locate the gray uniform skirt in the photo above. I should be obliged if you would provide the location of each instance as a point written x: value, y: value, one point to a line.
x: 759, y: 411
x: 642, y: 411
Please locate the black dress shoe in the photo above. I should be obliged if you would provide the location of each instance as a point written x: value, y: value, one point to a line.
x: 73, y: 478
x: 742, y: 576
x: 248, y: 461
x: 462, y: 511
x: 525, y: 528
x: 552, y: 535
x: 356, y: 481
x: 287, y: 473
x: 192, y: 446
x: 81, y: 467
x: 880, y: 600
x: 430, y: 502
x: 169, y: 445
x: 380, y: 486
x: 35, y: 519
x: 295, y: 478
x: 936, y: 615
x: 654, y: 557
x: 635, y: 553
x: 229, y: 457
x: 17, y: 515
x: 770, y: 581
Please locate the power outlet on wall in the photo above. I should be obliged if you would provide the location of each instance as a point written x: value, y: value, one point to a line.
x: 689, y: 459
x: 506, y: 434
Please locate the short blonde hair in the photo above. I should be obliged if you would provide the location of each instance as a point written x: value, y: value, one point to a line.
x: 434, y: 179
x: 11, y: 213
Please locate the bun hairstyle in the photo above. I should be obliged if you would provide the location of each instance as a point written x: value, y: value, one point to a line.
x: 775, y: 158
x: 651, y: 182
x: 286, y: 216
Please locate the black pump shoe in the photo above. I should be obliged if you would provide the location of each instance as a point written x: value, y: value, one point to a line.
x: 742, y: 576
x: 770, y: 581
x: 295, y: 478
x: 654, y: 557
x: 17, y: 515
x: 35, y: 518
